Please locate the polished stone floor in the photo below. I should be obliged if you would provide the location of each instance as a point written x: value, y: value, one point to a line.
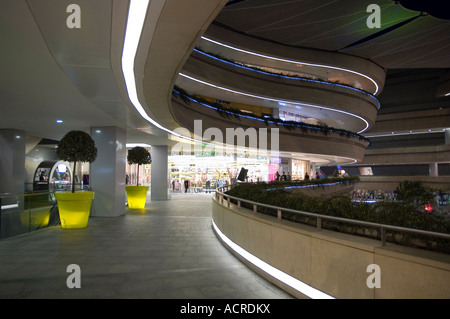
x: 168, y: 251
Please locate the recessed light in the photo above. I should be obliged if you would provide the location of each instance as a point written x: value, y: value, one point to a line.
x: 58, y: 121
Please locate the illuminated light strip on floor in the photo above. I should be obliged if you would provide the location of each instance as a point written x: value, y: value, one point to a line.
x: 272, y: 271
x: 292, y: 61
x: 275, y: 100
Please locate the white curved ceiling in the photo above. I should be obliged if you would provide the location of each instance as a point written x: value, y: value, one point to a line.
x: 406, y: 38
x: 49, y: 72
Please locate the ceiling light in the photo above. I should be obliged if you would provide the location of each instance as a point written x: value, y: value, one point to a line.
x: 59, y: 121
x: 131, y: 145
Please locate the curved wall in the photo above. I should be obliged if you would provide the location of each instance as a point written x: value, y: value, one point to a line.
x: 332, y: 145
x: 408, y: 155
x: 334, y: 263
x: 389, y: 183
x: 337, y: 106
x: 169, y: 34
x: 362, y: 68
x: 412, y: 121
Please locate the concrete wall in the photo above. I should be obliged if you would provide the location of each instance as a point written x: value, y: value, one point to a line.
x: 389, y: 183
x: 332, y: 262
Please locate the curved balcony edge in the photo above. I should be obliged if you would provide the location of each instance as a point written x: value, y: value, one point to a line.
x: 335, y: 105
x: 332, y: 147
x: 368, y: 74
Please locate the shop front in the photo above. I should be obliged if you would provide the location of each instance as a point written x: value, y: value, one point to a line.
x: 205, y: 172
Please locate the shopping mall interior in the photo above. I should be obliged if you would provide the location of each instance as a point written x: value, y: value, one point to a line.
x: 213, y: 88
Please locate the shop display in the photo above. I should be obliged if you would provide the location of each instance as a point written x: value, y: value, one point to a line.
x: 52, y: 176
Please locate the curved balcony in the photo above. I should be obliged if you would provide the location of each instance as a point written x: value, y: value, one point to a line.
x: 320, y: 102
x: 316, y: 64
x: 323, y: 146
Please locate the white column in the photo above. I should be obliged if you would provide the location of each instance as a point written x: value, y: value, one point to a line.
x: 434, y: 170
x: 12, y: 161
x: 160, y: 172
x: 107, y: 172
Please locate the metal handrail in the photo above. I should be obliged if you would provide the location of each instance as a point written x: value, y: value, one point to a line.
x: 319, y: 217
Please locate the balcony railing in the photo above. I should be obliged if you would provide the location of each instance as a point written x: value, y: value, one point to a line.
x: 225, y: 199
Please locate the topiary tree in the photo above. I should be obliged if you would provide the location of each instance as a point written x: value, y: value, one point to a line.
x: 76, y: 146
x: 138, y: 155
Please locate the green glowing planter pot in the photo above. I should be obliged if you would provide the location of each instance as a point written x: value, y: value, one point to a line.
x: 136, y: 196
x: 74, y: 208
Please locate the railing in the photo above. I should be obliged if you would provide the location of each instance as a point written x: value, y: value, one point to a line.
x: 24, y: 213
x: 221, y: 196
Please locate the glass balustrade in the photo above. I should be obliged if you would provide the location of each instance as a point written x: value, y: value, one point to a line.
x: 24, y: 213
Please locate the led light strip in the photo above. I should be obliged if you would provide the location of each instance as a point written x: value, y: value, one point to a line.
x: 135, y: 23
x: 292, y: 61
x: 274, y: 100
x: 394, y: 134
x: 272, y: 271
x: 278, y: 75
x: 4, y: 207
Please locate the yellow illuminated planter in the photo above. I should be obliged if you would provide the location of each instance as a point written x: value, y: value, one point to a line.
x: 36, y: 218
x: 136, y: 196
x: 74, y: 208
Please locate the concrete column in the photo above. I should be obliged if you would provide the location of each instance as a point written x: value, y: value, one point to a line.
x: 275, y: 113
x: 160, y: 172
x: 107, y: 172
x: 12, y: 161
x: 434, y: 170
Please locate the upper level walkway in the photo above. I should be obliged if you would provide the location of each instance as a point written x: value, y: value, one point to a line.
x: 168, y: 251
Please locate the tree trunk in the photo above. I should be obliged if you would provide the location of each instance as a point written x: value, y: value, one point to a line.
x: 137, y: 175
x: 73, y: 176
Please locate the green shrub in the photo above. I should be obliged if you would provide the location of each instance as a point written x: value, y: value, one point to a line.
x: 397, y: 213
